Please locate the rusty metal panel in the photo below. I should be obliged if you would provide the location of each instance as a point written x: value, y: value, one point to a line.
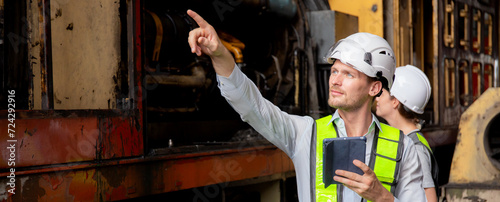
x: 141, y: 177
x: 51, y: 141
x: 72, y: 137
x: 86, y: 49
x: 120, y: 137
x: 60, y: 186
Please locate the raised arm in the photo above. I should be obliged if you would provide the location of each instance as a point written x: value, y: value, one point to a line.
x: 204, y: 39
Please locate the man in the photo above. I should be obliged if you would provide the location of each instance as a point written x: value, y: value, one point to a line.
x: 352, y: 93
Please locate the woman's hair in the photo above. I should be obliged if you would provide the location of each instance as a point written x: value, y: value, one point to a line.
x: 407, y: 113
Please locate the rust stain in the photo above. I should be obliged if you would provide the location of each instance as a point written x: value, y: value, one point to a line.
x: 57, y: 100
x: 53, y: 179
x: 119, y: 138
x: 58, y: 12
x: 178, y: 184
x: 30, y: 132
x: 161, y: 186
x: 40, y: 137
x: 31, y: 190
x: 114, y: 177
x: 152, y: 176
x: 131, y: 190
x: 118, y: 193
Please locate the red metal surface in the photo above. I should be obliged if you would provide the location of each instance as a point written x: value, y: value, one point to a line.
x: 488, y: 70
x: 51, y: 141
x: 141, y: 177
x: 476, y: 80
x: 120, y: 137
x: 64, y: 140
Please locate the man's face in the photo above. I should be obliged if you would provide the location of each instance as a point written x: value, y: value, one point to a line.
x: 349, y: 88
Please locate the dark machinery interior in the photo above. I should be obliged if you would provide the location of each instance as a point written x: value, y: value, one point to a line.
x: 184, y: 108
x: 492, y: 141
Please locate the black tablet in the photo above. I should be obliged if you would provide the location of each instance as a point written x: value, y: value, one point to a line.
x: 338, y: 154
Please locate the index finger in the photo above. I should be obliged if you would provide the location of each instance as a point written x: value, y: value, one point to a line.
x: 199, y: 20
x: 362, y: 166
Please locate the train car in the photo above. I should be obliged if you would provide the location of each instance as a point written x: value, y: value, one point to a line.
x: 103, y: 101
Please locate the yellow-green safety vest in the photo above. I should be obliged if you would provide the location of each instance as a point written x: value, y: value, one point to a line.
x: 417, y: 137
x: 385, y: 157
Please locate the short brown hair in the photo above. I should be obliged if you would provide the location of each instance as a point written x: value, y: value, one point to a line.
x: 407, y: 113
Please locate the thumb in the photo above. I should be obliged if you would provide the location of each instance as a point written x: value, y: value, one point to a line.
x: 209, y: 47
x: 203, y: 41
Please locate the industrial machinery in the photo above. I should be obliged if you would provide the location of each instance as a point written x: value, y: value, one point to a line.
x: 475, y: 170
x: 107, y: 103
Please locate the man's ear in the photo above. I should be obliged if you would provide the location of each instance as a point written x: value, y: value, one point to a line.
x: 375, y: 88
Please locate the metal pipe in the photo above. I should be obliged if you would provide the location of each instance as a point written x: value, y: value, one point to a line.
x: 46, y: 55
x: 285, y: 8
x: 197, y: 79
x: 237, y: 52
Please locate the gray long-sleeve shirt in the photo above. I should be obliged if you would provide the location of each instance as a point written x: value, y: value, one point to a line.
x: 292, y: 134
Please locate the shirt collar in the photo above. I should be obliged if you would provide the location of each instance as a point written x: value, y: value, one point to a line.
x: 416, y: 131
x: 339, y: 122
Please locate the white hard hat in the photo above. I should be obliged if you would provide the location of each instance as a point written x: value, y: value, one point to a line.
x: 412, y: 88
x: 368, y: 53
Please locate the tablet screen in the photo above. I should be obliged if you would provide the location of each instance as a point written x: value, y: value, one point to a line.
x: 339, y: 153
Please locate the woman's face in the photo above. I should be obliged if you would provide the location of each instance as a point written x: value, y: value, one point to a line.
x: 385, y: 104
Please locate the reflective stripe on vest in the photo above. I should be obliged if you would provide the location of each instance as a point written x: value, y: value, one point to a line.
x: 387, y: 157
x: 322, y: 132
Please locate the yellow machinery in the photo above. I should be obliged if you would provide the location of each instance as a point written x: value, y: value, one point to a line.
x: 475, y: 169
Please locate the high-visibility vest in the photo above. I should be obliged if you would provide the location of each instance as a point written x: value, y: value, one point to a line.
x: 418, y: 138
x: 386, y: 154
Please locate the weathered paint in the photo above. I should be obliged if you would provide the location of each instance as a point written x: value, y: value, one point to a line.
x: 46, y: 73
x: 470, y: 163
x: 69, y: 138
x: 152, y: 175
x: 86, y: 49
x: 51, y: 141
x: 473, y: 177
x: 120, y: 137
x: 369, y: 13
x: 471, y: 194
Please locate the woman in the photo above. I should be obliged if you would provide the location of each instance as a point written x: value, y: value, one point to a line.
x: 400, y: 108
